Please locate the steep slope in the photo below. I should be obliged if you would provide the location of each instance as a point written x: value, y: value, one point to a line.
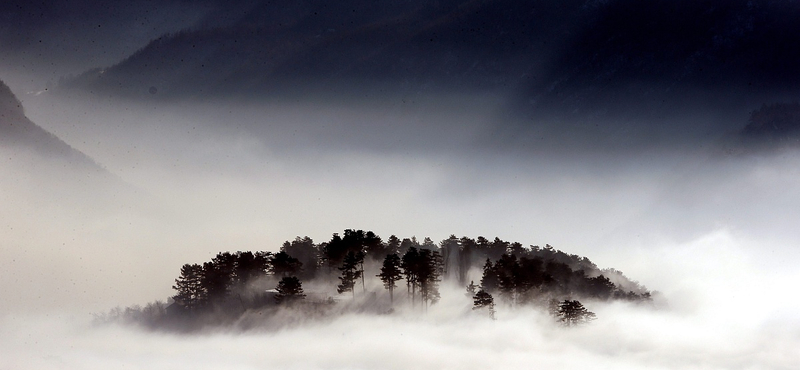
x: 408, y: 45
x: 18, y: 132
x: 611, y: 74
x: 568, y: 54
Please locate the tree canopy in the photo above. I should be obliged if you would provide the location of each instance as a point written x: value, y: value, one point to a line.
x: 510, y: 275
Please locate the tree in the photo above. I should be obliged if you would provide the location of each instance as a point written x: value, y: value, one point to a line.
x: 393, y: 245
x: 497, y: 248
x: 422, y: 269
x: 390, y: 273
x: 571, y: 313
x: 218, y: 277
x: 471, y: 288
x: 429, y: 274
x: 285, y: 265
x: 409, y: 265
x: 249, y: 266
x: 553, y: 307
x: 599, y: 287
x: 468, y: 248
x: 483, y: 300
x: 350, y: 273
x: 507, y: 272
x: 189, y: 286
x: 406, y: 244
x: 306, y: 252
x: 428, y: 243
x: 374, y: 247
x: 490, y: 280
x: 289, y: 289
x: 451, y: 255
x: 335, y: 251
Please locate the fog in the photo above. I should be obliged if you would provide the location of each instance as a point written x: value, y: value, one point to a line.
x: 714, y: 233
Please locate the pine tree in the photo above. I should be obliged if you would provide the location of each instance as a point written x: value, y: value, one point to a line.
x: 471, y: 288
x: 409, y: 265
x: 490, y: 280
x: 350, y: 273
x: 282, y: 264
x: 429, y: 274
x: 571, y: 313
x: 289, y: 289
x: 191, y: 293
x: 484, y: 300
x: 390, y: 273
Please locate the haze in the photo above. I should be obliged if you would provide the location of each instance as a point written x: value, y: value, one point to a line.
x: 675, y: 202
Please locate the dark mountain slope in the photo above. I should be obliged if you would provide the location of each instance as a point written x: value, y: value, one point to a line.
x: 17, y: 131
x: 571, y: 59
x: 658, y: 56
x: 41, y: 169
x: 452, y: 44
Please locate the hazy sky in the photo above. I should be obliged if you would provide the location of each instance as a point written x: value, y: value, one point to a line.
x: 710, y: 226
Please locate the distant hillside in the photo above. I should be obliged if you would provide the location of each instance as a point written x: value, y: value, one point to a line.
x: 574, y: 57
x: 17, y: 131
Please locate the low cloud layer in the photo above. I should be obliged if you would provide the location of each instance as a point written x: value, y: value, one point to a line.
x: 720, y: 331
x: 714, y: 234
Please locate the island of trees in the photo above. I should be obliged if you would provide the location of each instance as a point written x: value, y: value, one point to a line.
x: 358, y: 271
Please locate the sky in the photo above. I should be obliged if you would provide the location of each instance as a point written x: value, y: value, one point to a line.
x: 708, y: 224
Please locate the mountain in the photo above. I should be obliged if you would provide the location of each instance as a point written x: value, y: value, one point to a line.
x: 561, y: 57
x: 273, y: 47
x: 18, y: 132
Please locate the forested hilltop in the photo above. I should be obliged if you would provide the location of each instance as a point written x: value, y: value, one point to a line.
x: 360, y: 272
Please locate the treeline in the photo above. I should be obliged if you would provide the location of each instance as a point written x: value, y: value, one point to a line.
x: 356, y: 262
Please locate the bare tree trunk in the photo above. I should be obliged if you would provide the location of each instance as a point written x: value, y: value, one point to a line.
x: 363, y: 287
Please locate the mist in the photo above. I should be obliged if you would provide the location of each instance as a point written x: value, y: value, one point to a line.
x: 713, y: 233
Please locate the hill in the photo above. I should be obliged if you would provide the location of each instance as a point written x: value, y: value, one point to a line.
x: 20, y: 133
x: 570, y: 58
x: 359, y: 272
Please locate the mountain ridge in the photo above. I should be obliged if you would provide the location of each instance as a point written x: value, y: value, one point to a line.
x: 17, y: 131
x: 563, y: 57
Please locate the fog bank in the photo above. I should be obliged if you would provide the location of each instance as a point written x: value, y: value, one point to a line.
x: 714, y: 233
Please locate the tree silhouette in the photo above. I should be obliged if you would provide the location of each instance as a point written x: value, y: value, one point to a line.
x: 471, y: 288
x: 218, y: 276
x: 393, y: 245
x: 468, y: 248
x: 249, y: 266
x: 423, y: 270
x: 391, y: 273
x: 282, y: 264
x: 304, y: 250
x: 572, y: 312
x: 429, y: 273
x: 497, y: 248
x: 451, y: 255
x: 289, y: 289
x: 374, y: 247
x: 409, y: 264
x: 334, y: 252
x: 490, y: 281
x: 191, y: 293
x: 483, y: 300
x: 599, y: 287
x: 428, y: 244
x: 520, y: 276
x: 350, y: 272
x: 406, y: 244
x: 508, y: 276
